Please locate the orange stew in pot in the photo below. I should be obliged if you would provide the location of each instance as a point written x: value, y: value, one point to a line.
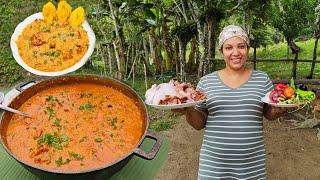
x: 75, y: 127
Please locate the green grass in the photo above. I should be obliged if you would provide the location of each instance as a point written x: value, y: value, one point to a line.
x: 167, y: 121
x: 281, y: 70
x: 279, y: 51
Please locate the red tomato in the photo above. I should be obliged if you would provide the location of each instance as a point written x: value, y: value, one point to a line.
x: 288, y: 92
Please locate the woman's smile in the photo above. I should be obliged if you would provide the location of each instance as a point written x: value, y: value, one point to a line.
x: 236, y: 60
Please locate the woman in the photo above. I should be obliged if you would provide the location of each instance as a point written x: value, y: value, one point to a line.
x: 233, y: 146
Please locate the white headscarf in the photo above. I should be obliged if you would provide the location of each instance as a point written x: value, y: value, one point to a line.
x: 232, y: 31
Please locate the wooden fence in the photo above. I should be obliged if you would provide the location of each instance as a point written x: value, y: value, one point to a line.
x: 297, y: 81
x: 254, y: 61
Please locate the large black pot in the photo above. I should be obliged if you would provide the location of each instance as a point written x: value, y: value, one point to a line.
x: 97, y: 173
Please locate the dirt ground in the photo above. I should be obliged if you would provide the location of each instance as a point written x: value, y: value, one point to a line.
x: 291, y: 154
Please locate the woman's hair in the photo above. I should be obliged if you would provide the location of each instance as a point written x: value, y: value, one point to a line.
x: 232, y: 31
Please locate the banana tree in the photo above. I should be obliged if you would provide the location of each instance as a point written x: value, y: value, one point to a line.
x: 211, y: 14
x: 184, y: 33
x: 112, y: 11
x: 147, y: 16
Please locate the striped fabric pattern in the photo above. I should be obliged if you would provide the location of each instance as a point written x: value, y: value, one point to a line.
x: 233, y: 146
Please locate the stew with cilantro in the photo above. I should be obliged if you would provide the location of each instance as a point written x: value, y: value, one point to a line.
x: 75, y: 127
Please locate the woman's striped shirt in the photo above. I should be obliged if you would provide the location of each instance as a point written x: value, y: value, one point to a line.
x: 233, y: 146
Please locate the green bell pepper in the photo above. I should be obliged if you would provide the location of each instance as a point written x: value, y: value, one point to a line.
x: 305, y: 95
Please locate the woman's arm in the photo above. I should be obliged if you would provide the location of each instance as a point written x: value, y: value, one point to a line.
x: 272, y: 113
x: 195, y: 117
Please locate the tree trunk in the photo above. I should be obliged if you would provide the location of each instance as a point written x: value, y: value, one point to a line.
x: 166, y: 43
x: 146, y: 57
x: 211, y: 43
x: 155, y: 51
x: 209, y: 59
x: 245, y: 18
x: 145, y: 49
x: 159, y: 59
x: 254, y: 57
x: 127, y: 62
x: 314, y: 58
x: 176, y: 46
x: 104, y: 58
x: 151, y: 47
x: 192, y: 56
x: 294, y: 66
x: 119, y: 74
x: 182, y: 59
x: 197, y: 57
x: 135, y: 55
x: 202, y: 63
x: 117, y: 44
x: 294, y: 48
x: 109, y: 58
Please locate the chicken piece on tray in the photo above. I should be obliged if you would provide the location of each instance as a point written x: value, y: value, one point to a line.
x: 158, y: 92
x: 173, y: 93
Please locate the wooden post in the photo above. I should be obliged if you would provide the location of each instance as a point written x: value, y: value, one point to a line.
x: 314, y: 58
x: 254, y: 58
x: 294, y: 66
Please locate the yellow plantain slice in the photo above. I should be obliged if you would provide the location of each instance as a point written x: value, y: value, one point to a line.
x: 63, y: 11
x: 77, y: 17
x: 49, y: 12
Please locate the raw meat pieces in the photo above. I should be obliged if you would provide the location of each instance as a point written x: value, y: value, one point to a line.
x: 173, y: 93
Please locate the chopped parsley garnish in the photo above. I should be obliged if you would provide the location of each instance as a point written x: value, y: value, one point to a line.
x: 64, y: 138
x: 87, y: 95
x: 51, y: 140
x: 51, y: 98
x: 46, y: 29
x: 52, y: 53
x: 60, y: 161
x: 114, y: 122
x: 98, y: 140
x: 50, y: 111
x: 56, y: 122
x: 75, y: 155
x: 88, y: 106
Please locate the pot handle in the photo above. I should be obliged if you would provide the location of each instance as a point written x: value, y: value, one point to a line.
x: 150, y: 155
x: 20, y: 87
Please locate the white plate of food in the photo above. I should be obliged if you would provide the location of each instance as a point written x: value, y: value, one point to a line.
x: 25, y: 59
x: 266, y: 100
x: 176, y: 106
x: 173, y: 95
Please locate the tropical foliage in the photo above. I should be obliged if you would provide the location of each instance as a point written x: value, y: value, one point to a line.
x: 171, y: 37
